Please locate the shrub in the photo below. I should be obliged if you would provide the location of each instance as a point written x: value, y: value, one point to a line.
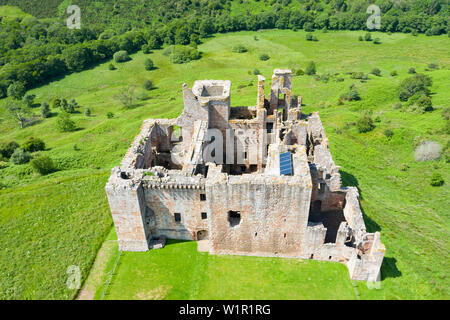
x: 43, y: 165
x: 376, y: 72
x: 359, y: 75
x: 299, y: 72
x: 146, y: 49
x: 256, y: 72
x: 368, y: 36
x: 351, y: 95
x: 121, y: 56
x: 309, y: 36
x: 425, y: 103
x: 7, y: 149
x: 264, y: 57
x: 64, y: 123
x: 33, y: 144
x: 446, y: 113
x: 411, y: 70
x: 394, y: 73
x: 111, y: 67
x: 87, y: 112
x: 110, y: 115
x: 45, y: 110
x: 388, y: 133
x: 417, y: 84
x: 404, y: 167
x: 433, y: 66
x: 365, y: 124
x: 56, y: 103
x: 148, y: 64
x: 376, y: 41
x: 148, y: 85
x: 428, y: 150
x: 29, y: 99
x: 181, y: 54
x: 310, y: 68
x: 142, y: 95
x: 16, y: 90
x: 239, y: 48
x: 397, y: 105
x: 360, y: 38
x: 437, y: 180
x: 20, y: 157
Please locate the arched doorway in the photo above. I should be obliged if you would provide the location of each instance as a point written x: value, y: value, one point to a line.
x: 202, y: 235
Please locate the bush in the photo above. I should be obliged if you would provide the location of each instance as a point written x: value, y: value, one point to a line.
x: 360, y: 38
x: 433, y: 66
x: 239, y: 48
x: 388, y: 133
x: 7, y: 149
x: 416, y: 85
x: 20, y: 157
x: 425, y: 103
x: 33, y: 144
x: 309, y: 36
x: 394, y: 73
x: 111, y: 67
x: 376, y: 41
x: 376, y: 72
x: 16, y: 90
x: 110, y: 115
x: 359, y: 75
x: 148, y: 64
x: 45, y: 110
x: 264, y: 57
x: 299, y: 72
x: 365, y: 124
x: 56, y: 104
x: 310, y: 68
x: 428, y: 150
x: 181, y: 54
x: 121, y: 56
x: 87, y: 112
x: 64, y: 123
x: 148, y: 85
x: 368, y: 36
x: 146, y: 49
x: 351, y: 95
x: 256, y: 72
x: 446, y: 113
x: 411, y: 70
x: 43, y: 165
x: 437, y: 180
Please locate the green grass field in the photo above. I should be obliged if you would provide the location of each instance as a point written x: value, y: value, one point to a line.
x: 49, y: 223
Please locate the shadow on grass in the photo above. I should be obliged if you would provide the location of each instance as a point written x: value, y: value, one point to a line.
x: 349, y: 180
x: 171, y: 242
x: 389, y: 268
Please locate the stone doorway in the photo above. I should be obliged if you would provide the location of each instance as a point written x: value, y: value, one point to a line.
x: 202, y: 235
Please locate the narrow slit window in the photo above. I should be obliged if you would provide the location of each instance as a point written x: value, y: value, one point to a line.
x: 177, y: 217
x: 204, y: 215
x: 202, y: 197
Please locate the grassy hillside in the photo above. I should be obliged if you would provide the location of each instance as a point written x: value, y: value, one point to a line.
x: 46, y: 230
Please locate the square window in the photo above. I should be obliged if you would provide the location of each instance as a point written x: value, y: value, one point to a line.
x: 204, y: 215
x: 202, y: 197
x: 177, y: 217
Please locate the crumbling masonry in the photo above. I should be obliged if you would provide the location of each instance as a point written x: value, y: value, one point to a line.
x: 241, y: 205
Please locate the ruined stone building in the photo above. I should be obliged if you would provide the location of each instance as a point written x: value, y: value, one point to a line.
x: 277, y: 194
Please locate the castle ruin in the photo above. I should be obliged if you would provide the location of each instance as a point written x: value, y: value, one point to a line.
x: 271, y: 188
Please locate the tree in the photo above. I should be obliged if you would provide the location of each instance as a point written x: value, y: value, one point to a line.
x: 45, y: 110
x: 368, y: 36
x: 87, y: 112
x: 148, y: 64
x: 416, y: 85
x: 376, y: 72
x: 16, y: 90
x: 29, y: 99
x: 264, y: 57
x: 126, y: 96
x: 7, y: 149
x: 19, y: 112
x: 64, y: 123
x: 437, y: 180
x: 33, y: 144
x: 20, y: 157
x: 148, y: 85
x: 365, y: 124
x: 43, y: 165
x: 121, y: 56
x: 310, y: 68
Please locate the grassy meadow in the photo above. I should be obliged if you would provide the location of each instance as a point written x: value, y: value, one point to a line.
x: 48, y: 223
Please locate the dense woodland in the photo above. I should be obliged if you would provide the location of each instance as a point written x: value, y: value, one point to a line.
x: 39, y: 48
